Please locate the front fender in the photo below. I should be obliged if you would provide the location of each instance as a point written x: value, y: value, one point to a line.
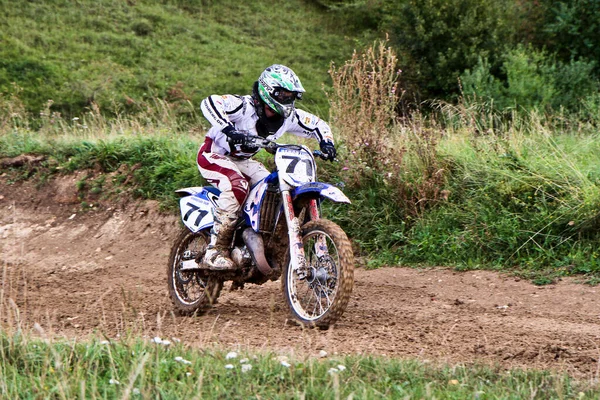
x: 321, y: 190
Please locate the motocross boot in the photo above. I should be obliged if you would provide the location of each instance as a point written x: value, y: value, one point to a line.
x: 217, y: 252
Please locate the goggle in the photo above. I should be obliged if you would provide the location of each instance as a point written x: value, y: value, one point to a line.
x: 285, y: 96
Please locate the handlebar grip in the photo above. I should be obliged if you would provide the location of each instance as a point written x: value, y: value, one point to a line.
x: 320, y: 154
x: 323, y: 156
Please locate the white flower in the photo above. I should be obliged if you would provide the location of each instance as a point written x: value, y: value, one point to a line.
x: 188, y: 374
x: 286, y: 364
x: 164, y: 342
x: 246, y: 368
x: 135, y: 391
x: 182, y: 360
x: 332, y: 371
x: 341, y: 367
x: 229, y: 366
x: 230, y: 355
x: 105, y: 342
x: 244, y: 361
x: 322, y: 353
x: 113, y: 382
x: 75, y: 119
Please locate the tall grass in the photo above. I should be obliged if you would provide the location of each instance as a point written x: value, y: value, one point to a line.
x: 391, y: 167
x: 466, y: 185
x: 524, y: 195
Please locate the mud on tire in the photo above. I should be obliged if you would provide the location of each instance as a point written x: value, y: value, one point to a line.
x: 190, y: 294
x: 319, y: 299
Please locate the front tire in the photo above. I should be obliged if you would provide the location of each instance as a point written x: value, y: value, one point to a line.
x: 190, y: 293
x: 319, y: 296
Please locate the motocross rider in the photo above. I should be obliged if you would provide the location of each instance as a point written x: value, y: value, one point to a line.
x: 224, y: 159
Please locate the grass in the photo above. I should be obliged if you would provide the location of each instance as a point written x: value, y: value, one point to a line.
x: 526, y: 201
x: 135, y: 368
x: 465, y: 186
x: 122, y: 55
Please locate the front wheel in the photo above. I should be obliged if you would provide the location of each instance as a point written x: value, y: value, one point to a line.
x: 190, y: 293
x: 319, y: 295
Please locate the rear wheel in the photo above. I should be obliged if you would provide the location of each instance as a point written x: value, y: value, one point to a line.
x: 319, y: 295
x: 189, y: 292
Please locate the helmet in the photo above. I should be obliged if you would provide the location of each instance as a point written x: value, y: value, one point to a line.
x: 279, y: 87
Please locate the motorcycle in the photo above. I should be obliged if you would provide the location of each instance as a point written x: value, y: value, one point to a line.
x: 279, y: 234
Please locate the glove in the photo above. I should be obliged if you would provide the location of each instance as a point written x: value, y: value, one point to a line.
x: 328, y: 149
x: 234, y: 137
x: 249, y: 148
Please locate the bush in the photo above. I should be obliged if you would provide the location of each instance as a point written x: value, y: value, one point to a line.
x: 533, y: 80
x: 437, y: 40
x: 571, y: 29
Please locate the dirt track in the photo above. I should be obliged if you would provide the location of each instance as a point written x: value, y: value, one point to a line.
x: 103, y: 272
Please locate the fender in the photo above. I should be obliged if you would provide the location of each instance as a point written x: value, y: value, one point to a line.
x: 196, y: 206
x: 197, y: 189
x: 320, y: 190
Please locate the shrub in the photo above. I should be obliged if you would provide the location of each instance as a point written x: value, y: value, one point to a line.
x: 531, y: 79
x: 437, y: 40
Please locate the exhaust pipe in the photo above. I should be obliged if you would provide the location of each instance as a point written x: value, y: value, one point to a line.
x: 255, y: 244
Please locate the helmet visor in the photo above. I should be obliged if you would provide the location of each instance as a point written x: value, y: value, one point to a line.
x: 284, y: 96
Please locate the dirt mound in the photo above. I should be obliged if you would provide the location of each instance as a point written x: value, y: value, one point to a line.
x: 102, y: 271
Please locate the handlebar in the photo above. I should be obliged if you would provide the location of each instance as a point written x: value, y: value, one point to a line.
x: 263, y: 143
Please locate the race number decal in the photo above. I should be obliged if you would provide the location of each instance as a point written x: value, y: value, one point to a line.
x: 196, y: 212
x: 295, y: 165
x: 192, y: 209
x: 291, y: 168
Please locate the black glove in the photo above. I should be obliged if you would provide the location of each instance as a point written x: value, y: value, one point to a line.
x: 249, y: 148
x: 234, y: 137
x: 328, y: 149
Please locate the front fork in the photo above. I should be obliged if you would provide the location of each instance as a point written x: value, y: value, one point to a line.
x: 297, y: 257
x: 320, y: 242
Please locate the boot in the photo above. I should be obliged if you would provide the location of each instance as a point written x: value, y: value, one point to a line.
x: 217, y: 252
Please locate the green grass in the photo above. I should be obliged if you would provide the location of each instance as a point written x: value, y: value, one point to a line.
x: 134, y: 368
x: 121, y: 55
x: 528, y: 203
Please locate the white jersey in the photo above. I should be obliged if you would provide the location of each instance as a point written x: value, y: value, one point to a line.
x: 239, y: 112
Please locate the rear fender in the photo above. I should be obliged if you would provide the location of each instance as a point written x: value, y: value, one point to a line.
x: 197, y: 207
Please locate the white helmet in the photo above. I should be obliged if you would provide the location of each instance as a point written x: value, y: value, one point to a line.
x: 279, y: 87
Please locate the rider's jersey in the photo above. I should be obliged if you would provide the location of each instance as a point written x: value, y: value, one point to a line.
x: 238, y: 111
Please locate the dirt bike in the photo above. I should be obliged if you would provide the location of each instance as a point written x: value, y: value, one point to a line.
x: 280, y: 234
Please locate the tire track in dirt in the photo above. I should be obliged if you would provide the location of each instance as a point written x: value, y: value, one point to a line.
x: 102, y: 272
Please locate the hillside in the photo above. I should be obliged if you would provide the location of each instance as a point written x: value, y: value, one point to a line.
x: 122, y: 54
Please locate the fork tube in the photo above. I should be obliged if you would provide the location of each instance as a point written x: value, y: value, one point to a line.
x: 320, y: 242
x: 313, y: 209
x: 294, y: 232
